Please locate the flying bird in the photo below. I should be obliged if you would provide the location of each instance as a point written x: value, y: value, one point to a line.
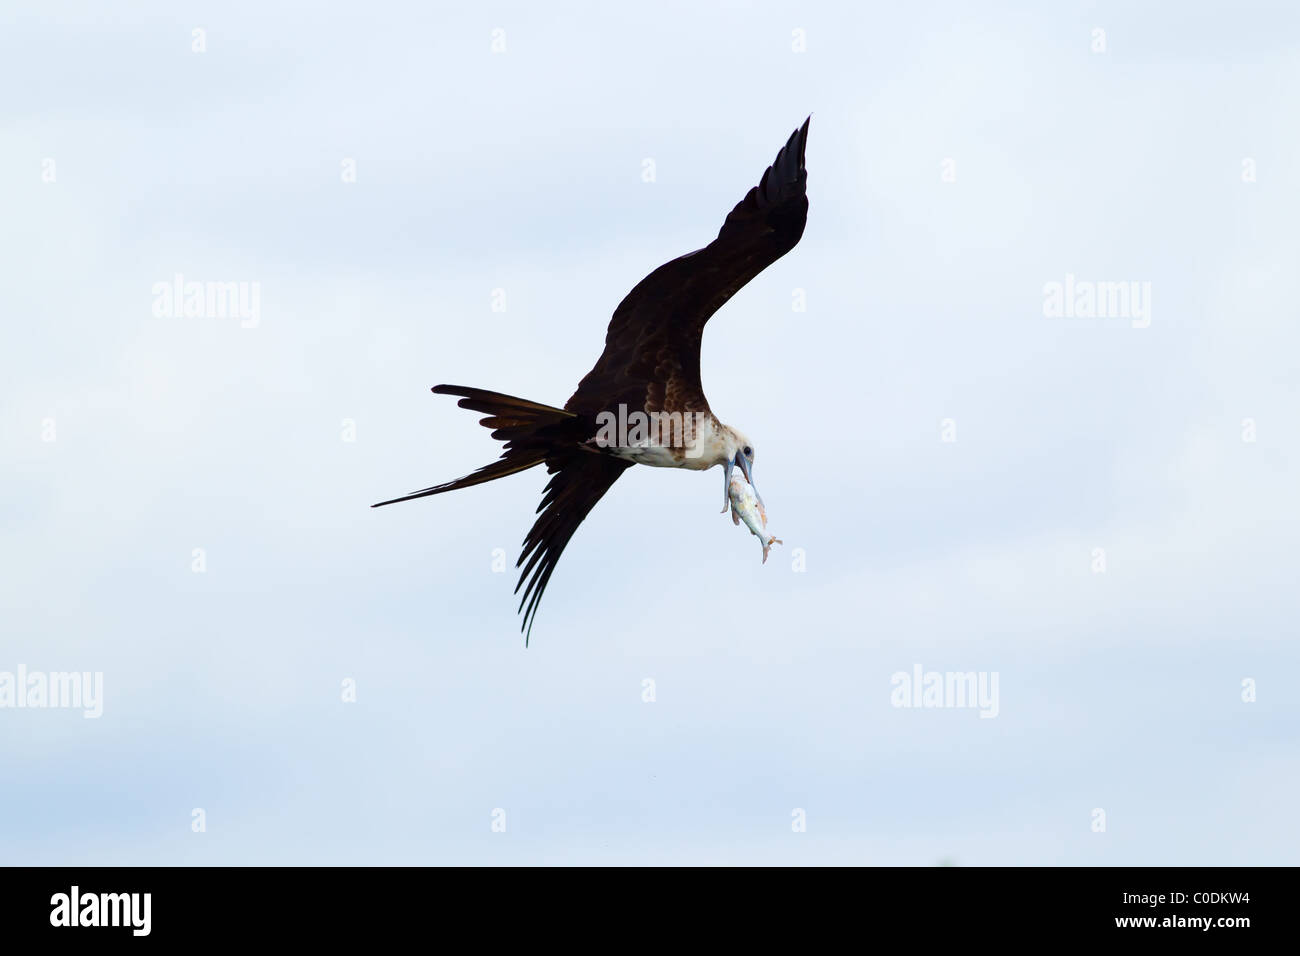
x: 649, y: 372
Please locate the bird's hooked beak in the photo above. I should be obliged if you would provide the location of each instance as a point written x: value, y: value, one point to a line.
x: 743, y: 462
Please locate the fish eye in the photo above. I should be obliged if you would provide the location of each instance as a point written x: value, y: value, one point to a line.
x: 749, y: 452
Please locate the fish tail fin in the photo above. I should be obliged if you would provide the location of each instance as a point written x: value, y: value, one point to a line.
x: 529, y: 430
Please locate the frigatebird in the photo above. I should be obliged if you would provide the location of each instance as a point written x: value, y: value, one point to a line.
x: 651, y: 366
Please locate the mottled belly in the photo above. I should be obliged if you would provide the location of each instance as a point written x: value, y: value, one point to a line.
x: 656, y: 456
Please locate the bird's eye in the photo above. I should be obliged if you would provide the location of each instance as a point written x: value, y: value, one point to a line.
x: 749, y: 452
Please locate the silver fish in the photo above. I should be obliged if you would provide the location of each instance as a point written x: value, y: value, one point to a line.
x: 746, y: 507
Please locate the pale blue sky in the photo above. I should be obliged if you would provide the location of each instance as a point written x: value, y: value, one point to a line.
x: 523, y: 171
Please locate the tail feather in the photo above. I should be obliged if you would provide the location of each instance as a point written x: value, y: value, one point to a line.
x: 489, y: 472
x: 506, y: 406
x: 525, y: 427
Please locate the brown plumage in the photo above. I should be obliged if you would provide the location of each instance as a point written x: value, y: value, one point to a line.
x: 652, y: 348
x: 651, y: 363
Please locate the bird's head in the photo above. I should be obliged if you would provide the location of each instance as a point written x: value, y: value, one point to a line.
x: 739, y: 453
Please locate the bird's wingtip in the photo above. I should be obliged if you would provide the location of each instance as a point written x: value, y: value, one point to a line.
x: 797, y: 144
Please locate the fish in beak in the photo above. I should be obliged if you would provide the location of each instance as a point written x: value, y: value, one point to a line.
x: 747, y: 507
x: 743, y: 462
x: 745, y: 468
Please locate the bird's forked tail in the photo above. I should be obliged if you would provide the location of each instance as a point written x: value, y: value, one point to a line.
x: 530, y: 431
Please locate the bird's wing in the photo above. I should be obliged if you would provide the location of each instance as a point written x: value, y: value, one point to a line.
x: 579, y: 480
x: 652, y: 348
